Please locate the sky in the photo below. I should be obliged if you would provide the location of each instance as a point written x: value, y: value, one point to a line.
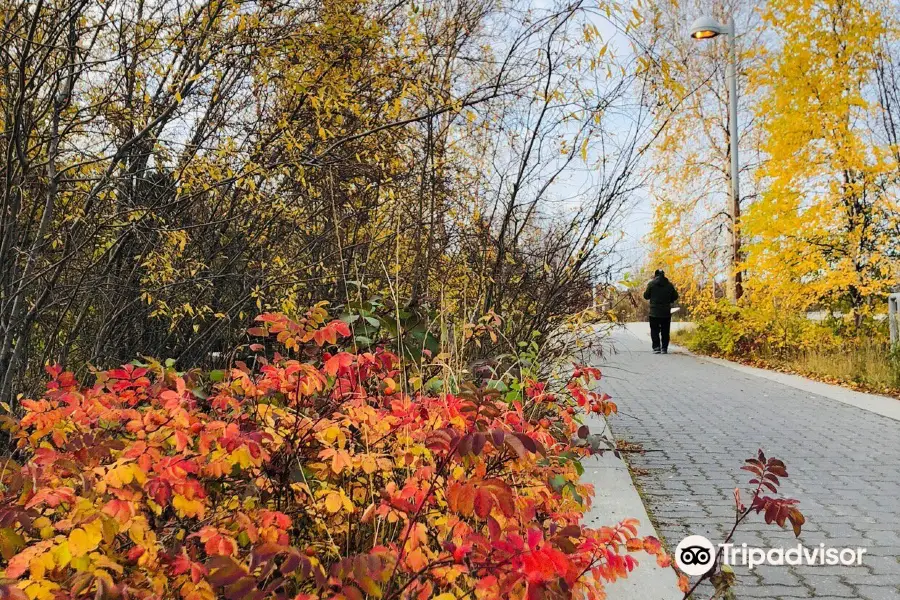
x: 635, y: 220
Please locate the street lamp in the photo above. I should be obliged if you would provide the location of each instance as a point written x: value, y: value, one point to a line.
x: 702, y: 29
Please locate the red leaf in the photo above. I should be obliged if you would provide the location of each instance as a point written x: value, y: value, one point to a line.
x: 483, y: 503
x: 224, y: 570
x: 494, y: 528
x: 352, y: 593
x: 478, y: 441
x: 527, y: 442
x: 239, y: 589
x: 341, y: 328
x: 290, y: 564
x: 465, y: 445
x: 497, y: 437
x: 516, y: 444
x: 337, y: 362
x: 535, y: 537
x: 778, y: 470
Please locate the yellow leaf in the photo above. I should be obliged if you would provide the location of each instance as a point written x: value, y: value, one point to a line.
x: 79, y: 543
x: 242, y: 457
x: 41, y: 590
x: 333, y: 502
x: 138, y: 474
x: 61, y: 554
x: 369, y: 465
x: 188, y: 508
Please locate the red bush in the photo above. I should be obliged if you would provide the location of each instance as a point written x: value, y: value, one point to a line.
x: 332, y: 474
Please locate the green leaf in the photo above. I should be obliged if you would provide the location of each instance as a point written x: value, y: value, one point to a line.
x: 216, y: 375
x: 579, y: 468
x: 10, y: 542
x: 497, y: 384
x: 366, y: 330
x: 557, y: 482
x: 571, y: 488
x: 432, y: 343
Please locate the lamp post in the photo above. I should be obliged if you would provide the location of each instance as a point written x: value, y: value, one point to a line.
x: 702, y: 29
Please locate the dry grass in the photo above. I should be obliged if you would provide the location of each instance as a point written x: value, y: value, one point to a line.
x: 866, y: 363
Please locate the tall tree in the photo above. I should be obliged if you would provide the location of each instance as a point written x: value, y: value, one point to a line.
x: 697, y: 229
x: 820, y: 231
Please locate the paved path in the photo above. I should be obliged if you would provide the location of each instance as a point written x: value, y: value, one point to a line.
x: 698, y: 420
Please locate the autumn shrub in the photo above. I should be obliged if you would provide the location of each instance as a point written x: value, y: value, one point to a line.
x: 314, y: 470
x: 832, y: 349
x: 749, y: 331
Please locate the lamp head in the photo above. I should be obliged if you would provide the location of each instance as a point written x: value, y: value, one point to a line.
x: 707, y: 27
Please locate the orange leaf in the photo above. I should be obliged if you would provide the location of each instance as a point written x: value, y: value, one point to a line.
x: 466, y: 500
x: 338, y: 361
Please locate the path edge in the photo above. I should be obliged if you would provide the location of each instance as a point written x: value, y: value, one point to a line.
x: 616, y: 498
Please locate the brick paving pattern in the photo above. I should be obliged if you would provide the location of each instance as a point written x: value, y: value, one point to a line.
x: 698, y: 421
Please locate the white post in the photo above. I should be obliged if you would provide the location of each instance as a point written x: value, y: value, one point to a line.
x: 731, y: 77
x: 893, y: 317
x: 706, y: 27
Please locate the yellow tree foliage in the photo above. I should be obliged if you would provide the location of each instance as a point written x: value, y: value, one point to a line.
x: 687, y: 252
x: 820, y: 231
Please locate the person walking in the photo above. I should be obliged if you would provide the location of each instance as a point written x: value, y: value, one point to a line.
x: 662, y: 295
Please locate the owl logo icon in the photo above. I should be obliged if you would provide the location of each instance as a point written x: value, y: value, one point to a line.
x: 695, y: 555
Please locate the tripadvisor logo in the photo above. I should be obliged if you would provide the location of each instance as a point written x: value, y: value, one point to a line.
x: 695, y: 555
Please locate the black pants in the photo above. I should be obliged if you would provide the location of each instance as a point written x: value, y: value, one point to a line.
x: 659, y: 328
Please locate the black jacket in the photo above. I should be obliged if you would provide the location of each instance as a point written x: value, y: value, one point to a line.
x: 662, y: 295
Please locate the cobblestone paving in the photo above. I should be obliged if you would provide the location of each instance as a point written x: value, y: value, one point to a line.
x: 697, y: 422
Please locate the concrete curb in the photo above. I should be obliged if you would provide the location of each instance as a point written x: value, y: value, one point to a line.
x: 616, y: 498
